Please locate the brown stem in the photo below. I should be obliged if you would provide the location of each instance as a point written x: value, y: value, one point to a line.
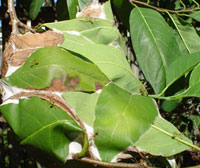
x: 112, y: 165
x: 163, y: 9
x: 15, y: 21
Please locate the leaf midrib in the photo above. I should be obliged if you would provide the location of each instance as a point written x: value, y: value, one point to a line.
x: 179, y: 32
x: 41, y: 129
x: 154, y: 39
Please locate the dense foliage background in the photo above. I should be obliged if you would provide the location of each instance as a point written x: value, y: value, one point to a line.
x: 130, y: 72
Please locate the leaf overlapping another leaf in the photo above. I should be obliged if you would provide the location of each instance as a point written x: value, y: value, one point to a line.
x: 119, y: 122
x: 47, y: 64
x: 38, y: 123
x: 154, y: 44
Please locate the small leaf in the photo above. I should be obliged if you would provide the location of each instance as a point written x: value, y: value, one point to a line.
x: 119, y: 122
x: 35, y: 8
x: 51, y: 63
x: 39, y: 123
x: 196, y: 15
x: 157, y: 143
x: 84, y: 105
x: 154, y: 44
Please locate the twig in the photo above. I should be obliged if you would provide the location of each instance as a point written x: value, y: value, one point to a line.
x: 163, y: 9
x: 110, y: 164
x: 15, y: 21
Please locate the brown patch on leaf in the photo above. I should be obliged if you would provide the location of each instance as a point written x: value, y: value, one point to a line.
x: 73, y: 82
x: 29, y: 40
x: 57, y: 85
x: 98, y: 86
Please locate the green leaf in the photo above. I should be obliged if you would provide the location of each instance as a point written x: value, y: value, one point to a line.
x: 195, y: 76
x: 169, y: 105
x: 35, y: 8
x: 108, y: 10
x: 123, y: 10
x: 101, y: 35
x: 39, y: 123
x: 119, y: 122
x: 79, y: 24
x: 72, y: 8
x: 62, y: 14
x: 188, y: 35
x: 82, y: 32
x: 181, y: 66
x: 113, y: 64
x: 196, y: 15
x: 154, y: 44
x: 47, y: 64
x: 161, y: 143
x: 84, y: 104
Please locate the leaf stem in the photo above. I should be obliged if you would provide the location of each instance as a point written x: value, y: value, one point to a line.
x: 184, y: 7
x: 196, y: 3
x: 85, y: 147
x: 163, y: 9
x: 175, y: 137
x: 15, y: 21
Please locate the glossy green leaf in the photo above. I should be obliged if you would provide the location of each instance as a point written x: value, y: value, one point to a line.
x: 101, y: 35
x: 195, y: 76
x: 180, y: 43
x: 72, y: 6
x: 113, y: 64
x: 188, y: 35
x: 84, y: 104
x: 47, y: 64
x: 196, y: 15
x: 119, y: 122
x: 154, y: 44
x: 35, y: 8
x: 39, y: 123
x: 80, y: 32
x: 181, y: 66
x: 79, y: 24
x: 158, y: 143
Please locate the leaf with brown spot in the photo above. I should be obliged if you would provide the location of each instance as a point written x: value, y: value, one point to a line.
x: 50, y: 63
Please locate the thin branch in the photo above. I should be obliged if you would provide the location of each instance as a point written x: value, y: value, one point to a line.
x: 15, y: 21
x: 112, y: 165
x: 163, y: 9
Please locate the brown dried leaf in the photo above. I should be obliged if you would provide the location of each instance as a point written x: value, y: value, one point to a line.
x: 19, y: 57
x: 29, y: 40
